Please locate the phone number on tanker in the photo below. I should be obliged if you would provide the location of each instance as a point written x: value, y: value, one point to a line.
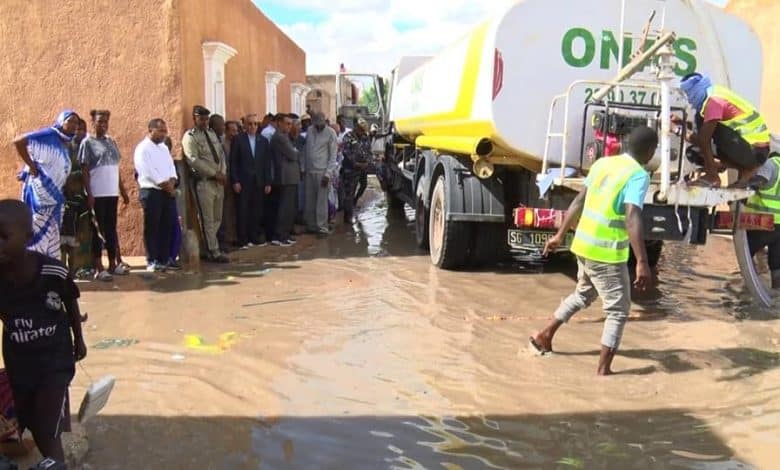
x: 640, y: 97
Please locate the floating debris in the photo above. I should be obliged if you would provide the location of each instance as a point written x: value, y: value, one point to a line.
x: 115, y: 343
x: 198, y: 343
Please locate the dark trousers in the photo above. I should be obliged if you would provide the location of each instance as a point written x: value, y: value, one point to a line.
x: 288, y: 208
x: 249, y: 213
x: 105, y: 213
x: 349, y: 183
x: 362, y: 185
x: 271, y: 213
x: 758, y: 239
x: 158, y: 217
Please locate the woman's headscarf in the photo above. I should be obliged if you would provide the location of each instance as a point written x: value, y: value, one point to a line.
x: 61, y: 118
x: 696, y: 87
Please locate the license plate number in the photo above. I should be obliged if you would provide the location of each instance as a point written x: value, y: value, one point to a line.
x: 525, y: 239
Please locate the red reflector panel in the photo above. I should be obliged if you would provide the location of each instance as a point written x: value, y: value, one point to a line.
x: 747, y: 221
x: 531, y: 217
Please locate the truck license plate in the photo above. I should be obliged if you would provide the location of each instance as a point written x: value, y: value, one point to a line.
x: 526, y: 238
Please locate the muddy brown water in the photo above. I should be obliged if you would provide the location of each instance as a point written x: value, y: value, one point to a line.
x: 354, y: 352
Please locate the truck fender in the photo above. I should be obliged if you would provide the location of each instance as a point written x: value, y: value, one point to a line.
x: 422, y: 181
x: 469, y: 199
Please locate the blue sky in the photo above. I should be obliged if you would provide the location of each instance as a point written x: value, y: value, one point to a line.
x: 371, y: 35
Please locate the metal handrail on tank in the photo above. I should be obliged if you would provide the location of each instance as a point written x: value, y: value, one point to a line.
x: 661, y: 48
x: 639, y: 84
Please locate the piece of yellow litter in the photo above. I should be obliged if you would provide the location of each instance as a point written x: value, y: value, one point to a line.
x: 196, y: 342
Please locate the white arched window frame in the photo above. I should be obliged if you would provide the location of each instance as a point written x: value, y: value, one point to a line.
x: 272, y: 80
x: 298, y: 93
x: 215, y: 56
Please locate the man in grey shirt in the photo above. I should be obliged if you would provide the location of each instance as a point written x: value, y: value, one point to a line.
x: 320, y: 154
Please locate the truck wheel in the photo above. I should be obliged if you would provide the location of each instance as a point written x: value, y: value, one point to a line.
x: 449, y: 241
x: 421, y: 224
x: 753, y: 281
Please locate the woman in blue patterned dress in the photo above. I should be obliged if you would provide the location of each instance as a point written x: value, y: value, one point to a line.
x: 47, y: 166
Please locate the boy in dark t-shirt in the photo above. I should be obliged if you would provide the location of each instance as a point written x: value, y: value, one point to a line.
x: 39, y: 310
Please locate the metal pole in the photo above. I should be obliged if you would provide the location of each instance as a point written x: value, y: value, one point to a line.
x: 665, y: 76
x: 634, y: 66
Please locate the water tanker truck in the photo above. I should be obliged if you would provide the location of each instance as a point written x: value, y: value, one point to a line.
x: 490, y: 140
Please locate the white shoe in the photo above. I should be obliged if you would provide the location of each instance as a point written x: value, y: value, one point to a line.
x: 245, y: 247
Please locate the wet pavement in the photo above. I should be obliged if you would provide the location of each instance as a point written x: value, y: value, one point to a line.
x: 354, y: 352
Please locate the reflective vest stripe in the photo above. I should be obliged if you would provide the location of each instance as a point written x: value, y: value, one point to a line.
x: 767, y: 200
x: 601, y: 219
x: 601, y: 232
x: 609, y: 244
x: 760, y: 208
x: 750, y: 125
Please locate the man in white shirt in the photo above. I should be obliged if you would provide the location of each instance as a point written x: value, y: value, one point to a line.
x: 157, y: 180
x: 269, y: 130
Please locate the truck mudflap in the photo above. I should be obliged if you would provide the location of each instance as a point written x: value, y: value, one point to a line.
x: 470, y: 199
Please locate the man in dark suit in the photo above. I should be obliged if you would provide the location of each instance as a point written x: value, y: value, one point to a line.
x: 288, y: 176
x: 250, y: 177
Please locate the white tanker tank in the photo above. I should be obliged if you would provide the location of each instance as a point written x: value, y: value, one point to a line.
x: 489, y: 94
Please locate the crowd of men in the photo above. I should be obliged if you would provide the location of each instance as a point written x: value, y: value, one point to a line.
x: 249, y: 181
x: 252, y: 179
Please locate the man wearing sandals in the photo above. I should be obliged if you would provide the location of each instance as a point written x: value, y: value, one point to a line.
x: 609, y: 210
x: 737, y: 129
x: 99, y: 158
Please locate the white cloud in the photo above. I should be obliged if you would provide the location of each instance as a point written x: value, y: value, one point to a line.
x: 372, y: 35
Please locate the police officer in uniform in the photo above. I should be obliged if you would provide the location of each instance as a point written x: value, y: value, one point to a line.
x: 206, y: 158
x: 357, y: 158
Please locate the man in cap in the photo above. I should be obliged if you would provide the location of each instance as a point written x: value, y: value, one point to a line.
x: 206, y: 158
x: 305, y: 123
x: 320, y: 157
x: 733, y: 124
x: 357, y: 157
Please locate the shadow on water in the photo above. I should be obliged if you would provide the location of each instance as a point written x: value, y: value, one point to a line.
x: 658, y: 439
x: 227, y: 275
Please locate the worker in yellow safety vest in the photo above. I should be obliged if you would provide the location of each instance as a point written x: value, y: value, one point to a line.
x: 609, y: 210
x: 766, y: 182
x: 731, y: 123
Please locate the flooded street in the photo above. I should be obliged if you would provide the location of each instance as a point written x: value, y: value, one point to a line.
x: 354, y: 352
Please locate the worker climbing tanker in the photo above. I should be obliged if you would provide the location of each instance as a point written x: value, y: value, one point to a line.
x: 493, y: 138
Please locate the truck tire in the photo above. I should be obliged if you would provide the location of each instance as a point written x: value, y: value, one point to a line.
x: 753, y: 282
x: 421, y: 224
x: 449, y: 241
